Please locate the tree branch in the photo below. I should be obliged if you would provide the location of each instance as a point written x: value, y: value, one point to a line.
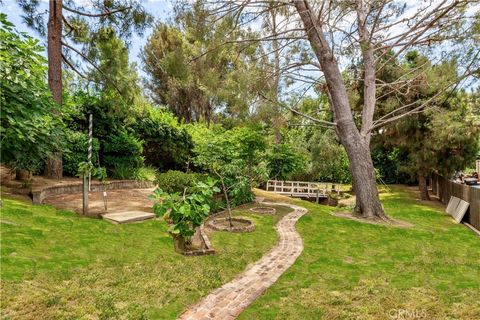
x: 328, y: 123
x: 96, y: 15
x: 94, y: 65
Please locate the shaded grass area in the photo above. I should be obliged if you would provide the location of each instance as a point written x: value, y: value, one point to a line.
x: 353, y: 270
x: 58, y: 265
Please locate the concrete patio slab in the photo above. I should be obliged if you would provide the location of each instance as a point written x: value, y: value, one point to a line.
x: 128, y: 216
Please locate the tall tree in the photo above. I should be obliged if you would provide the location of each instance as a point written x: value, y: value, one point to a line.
x: 194, y: 73
x: 367, y: 30
x: 441, y: 139
x: 125, y: 16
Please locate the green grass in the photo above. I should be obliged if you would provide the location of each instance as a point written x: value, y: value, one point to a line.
x: 58, y: 265
x: 353, y: 270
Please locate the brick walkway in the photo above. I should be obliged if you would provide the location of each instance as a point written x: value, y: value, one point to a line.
x: 228, y: 301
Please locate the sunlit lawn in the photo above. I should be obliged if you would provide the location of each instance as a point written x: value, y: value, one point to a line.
x: 352, y: 270
x: 57, y: 265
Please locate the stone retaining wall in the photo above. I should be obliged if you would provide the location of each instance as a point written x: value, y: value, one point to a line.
x: 39, y: 195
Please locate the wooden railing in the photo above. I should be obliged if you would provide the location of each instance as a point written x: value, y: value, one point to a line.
x: 303, y: 189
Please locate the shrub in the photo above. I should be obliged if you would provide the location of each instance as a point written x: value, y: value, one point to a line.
x: 176, y: 181
x: 123, y: 152
x: 283, y: 161
x: 234, y: 157
x: 329, y: 159
x: 165, y: 146
x: 122, y: 172
x: 76, y: 151
x: 145, y: 174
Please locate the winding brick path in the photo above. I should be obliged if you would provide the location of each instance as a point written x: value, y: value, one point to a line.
x: 228, y: 301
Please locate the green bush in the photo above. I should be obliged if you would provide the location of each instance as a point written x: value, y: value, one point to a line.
x: 165, y: 146
x: 145, y: 174
x: 123, y: 152
x: 76, y: 152
x: 123, y: 172
x: 283, y: 161
x: 176, y: 181
x: 329, y: 159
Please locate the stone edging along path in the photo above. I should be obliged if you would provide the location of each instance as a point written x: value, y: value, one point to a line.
x: 228, y: 301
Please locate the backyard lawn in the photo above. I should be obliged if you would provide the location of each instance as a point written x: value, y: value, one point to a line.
x: 353, y: 270
x: 56, y: 264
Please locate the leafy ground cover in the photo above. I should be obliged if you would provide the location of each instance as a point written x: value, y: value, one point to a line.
x: 57, y: 265
x: 353, y: 270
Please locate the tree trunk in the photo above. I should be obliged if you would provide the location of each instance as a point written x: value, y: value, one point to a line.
x: 227, y: 200
x: 368, y: 203
x: 229, y: 209
x: 277, y: 119
x: 423, y: 187
x: 53, y: 166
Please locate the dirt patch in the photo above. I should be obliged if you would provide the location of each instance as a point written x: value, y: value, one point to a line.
x: 117, y: 201
x: 347, y: 202
x: 238, y: 224
x: 390, y: 222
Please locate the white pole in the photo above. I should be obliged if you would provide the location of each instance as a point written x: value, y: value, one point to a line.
x: 90, y: 137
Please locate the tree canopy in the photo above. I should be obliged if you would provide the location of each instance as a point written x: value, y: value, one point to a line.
x: 28, y: 131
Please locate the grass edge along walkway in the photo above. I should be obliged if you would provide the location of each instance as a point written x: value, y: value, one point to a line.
x: 228, y: 301
x: 353, y: 270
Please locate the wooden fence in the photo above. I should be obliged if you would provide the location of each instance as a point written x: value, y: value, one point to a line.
x: 444, y: 189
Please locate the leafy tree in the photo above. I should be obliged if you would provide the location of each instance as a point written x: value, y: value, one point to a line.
x: 83, y: 28
x: 283, y: 161
x: 329, y: 159
x: 185, y: 212
x: 115, y: 78
x: 441, y: 139
x: 232, y: 157
x: 195, y: 72
x: 28, y: 131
